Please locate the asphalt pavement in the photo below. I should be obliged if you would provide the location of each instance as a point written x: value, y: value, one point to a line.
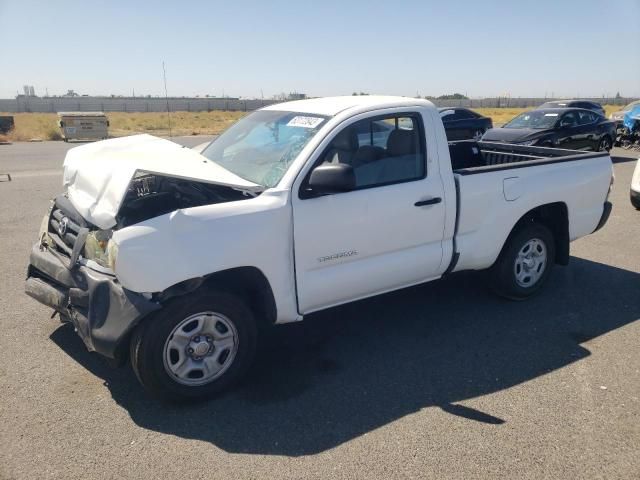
x: 442, y: 380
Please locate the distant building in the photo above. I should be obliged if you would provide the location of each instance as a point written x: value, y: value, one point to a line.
x: 29, y: 91
x: 297, y: 96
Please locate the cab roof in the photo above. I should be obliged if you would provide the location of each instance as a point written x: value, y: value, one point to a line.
x: 330, y: 106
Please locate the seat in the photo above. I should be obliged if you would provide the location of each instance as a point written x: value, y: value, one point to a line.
x: 400, y: 162
x: 401, y: 142
x: 367, y: 154
x: 343, y: 147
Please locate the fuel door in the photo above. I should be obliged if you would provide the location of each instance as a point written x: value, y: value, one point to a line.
x: 511, y: 188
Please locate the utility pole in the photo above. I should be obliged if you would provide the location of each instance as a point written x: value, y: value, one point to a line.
x: 166, y: 96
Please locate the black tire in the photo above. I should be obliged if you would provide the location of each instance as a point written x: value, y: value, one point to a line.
x: 605, y: 144
x: 635, y: 200
x: 503, y: 271
x: 148, y: 345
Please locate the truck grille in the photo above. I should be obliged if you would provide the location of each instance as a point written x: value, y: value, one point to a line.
x: 65, y: 226
x: 65, y: 229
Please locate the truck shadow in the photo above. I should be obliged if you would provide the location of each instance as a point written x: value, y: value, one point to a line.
x: 624, y: 159
x: 352, y: 369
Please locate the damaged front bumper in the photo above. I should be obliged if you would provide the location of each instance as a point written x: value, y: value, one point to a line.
x: 102, y: 311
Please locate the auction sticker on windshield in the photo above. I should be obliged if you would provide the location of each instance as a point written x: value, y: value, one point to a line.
x: 305, y: 122
x: 550, y: 114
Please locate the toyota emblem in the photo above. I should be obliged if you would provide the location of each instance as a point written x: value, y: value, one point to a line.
x: 62, y: 226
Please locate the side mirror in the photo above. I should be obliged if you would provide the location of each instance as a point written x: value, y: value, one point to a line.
x: 331, y: 178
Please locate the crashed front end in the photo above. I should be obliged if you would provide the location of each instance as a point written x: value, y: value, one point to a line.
x: 71, y: 271
x: 110, y: 186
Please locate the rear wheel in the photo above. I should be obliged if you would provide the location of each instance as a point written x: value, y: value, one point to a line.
x: 524, y: 263
x: 198, y: 345
x: 605, y: 144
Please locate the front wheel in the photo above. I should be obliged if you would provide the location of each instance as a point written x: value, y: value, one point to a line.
x: 196, y: 346
x: 524, y: 263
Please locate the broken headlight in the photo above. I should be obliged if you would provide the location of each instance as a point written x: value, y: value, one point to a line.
x: 101, y: 248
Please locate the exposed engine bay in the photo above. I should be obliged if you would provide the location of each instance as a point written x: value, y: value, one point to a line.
x: 151, y: 195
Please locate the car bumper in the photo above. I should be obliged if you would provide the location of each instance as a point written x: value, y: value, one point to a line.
x: 634, y: 196
x: 102, y: 311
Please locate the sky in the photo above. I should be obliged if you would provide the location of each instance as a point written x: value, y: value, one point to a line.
x: 564, y: 48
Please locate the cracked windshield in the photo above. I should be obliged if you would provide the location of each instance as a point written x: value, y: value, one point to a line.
x: 261, y: 146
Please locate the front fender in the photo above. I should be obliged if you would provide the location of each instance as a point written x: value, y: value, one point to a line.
x: 161, y: 252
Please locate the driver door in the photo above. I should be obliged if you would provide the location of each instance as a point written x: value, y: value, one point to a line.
x: 380, y: 236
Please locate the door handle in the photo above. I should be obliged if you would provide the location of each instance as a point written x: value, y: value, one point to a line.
x: 430, y: 201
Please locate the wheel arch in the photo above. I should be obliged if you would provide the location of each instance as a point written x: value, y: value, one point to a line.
x: 554, y: 216
x: 248, y: 282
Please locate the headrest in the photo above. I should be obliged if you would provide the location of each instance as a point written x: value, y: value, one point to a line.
x: 346, y: 140
x: 367, y: 154
x: 401, y: 142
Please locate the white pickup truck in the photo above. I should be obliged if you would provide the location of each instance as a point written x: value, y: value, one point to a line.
x: 176, y: 257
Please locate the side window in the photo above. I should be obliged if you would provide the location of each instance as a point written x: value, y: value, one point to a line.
x: 382, y: 151
x: 569, y: 120
x: 585, y: 118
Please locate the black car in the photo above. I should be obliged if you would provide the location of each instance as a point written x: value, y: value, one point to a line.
x: 570, y: 128
x: 586, y: 104
x: 462, y: 123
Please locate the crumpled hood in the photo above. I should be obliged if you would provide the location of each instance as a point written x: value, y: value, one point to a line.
x: 511, y: 135
x: 98, y: 175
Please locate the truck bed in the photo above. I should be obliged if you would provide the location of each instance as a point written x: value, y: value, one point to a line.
x: 469, y: 157
x: 514, y: 180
